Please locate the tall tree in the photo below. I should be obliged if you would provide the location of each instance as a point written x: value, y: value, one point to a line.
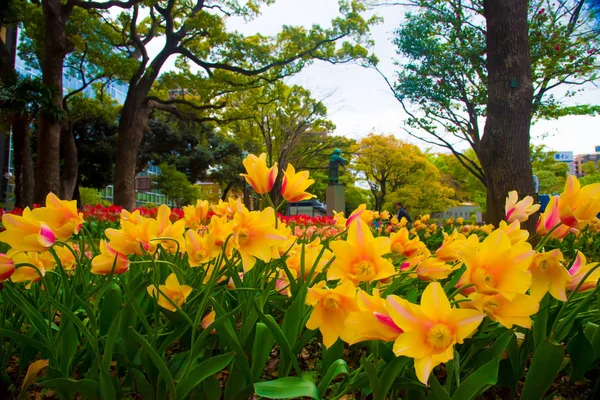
x: 196, y: 33
x: 504, y: 149
x: 55, y: 40
x: 443, y: 86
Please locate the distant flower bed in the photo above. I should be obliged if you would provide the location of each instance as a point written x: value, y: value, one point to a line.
x: 213, y: 301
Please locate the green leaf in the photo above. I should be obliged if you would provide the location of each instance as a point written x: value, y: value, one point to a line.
x: 17, y: 337
x: 202, y: 371
x: 545, y: 365
x: 540, y: 321
x: 331, y: 354
x: 372, y: 375
x: 336, y: 368
x: 110, y: 307
x: 286, y: 388
x: 159, y: 363
x: 284, y: 345
x: 480, y: 380
x: 73, y: 318
x: 389, y: 375
x: 107, y: 388
x: 261, y: 349
x: 142, y: 385
x: 439, y: 393
x: 581, y: 352
x: 67, y: 342
x: 293, y: 316
x: 212, y: 388
x: 86, y: 387
x: 110, y: 343
x: 495, y: 351
x: 34, y: 315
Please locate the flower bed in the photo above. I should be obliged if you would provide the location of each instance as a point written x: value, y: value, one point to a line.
x: 215, y: 301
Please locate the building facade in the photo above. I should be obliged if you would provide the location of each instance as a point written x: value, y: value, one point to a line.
x: 582, y: 159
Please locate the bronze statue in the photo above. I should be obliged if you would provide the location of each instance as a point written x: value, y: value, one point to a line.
x: 335, y: 160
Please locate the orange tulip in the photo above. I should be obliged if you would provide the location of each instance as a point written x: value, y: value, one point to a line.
x: 258, y: 175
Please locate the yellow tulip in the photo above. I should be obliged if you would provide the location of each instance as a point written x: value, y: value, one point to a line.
x: 196, y: 216
x: 514, y: 231
x: 311, y: 253
x: 170, y: 290
x: 579, y: 205
x: 134, y: 238
x: 579, y: 270
x: 134, y: 217
x: 371, y: 322
x: 550, y: 221
x: 61, y: 216
x: 549, y: 275
x: 207, y: 320
x: 294, y: 185
x: 433, y: 269
x: 448, y: 251
x: 519, y: 210
x: 7, y: 267
x: 331, y: 307
x: 517, y: 311
x: 497, y: 266
x: 108, y: 258
x: 197, y: 248
x: 26, y: 233
x: 401, y: 244
x: 430, y: 330
x: 43, y: 262
x: 361, y: 213
x: 254, y: 235
x: 258, y: 175
x: 359, y: 258
x: 172, y: 231
x: 66, y: 257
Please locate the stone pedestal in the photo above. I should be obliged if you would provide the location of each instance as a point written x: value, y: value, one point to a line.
x: 335, y: 199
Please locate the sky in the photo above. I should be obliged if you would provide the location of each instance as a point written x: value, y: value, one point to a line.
x: 358, y: 99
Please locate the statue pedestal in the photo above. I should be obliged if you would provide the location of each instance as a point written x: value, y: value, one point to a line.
x: 335, y: 199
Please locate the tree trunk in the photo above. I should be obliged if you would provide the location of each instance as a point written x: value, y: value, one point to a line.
x: 70, y: 166
x: 133, y: 122
x: 56, y: 47
x: 504, y: 147
x: 23, y: 162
